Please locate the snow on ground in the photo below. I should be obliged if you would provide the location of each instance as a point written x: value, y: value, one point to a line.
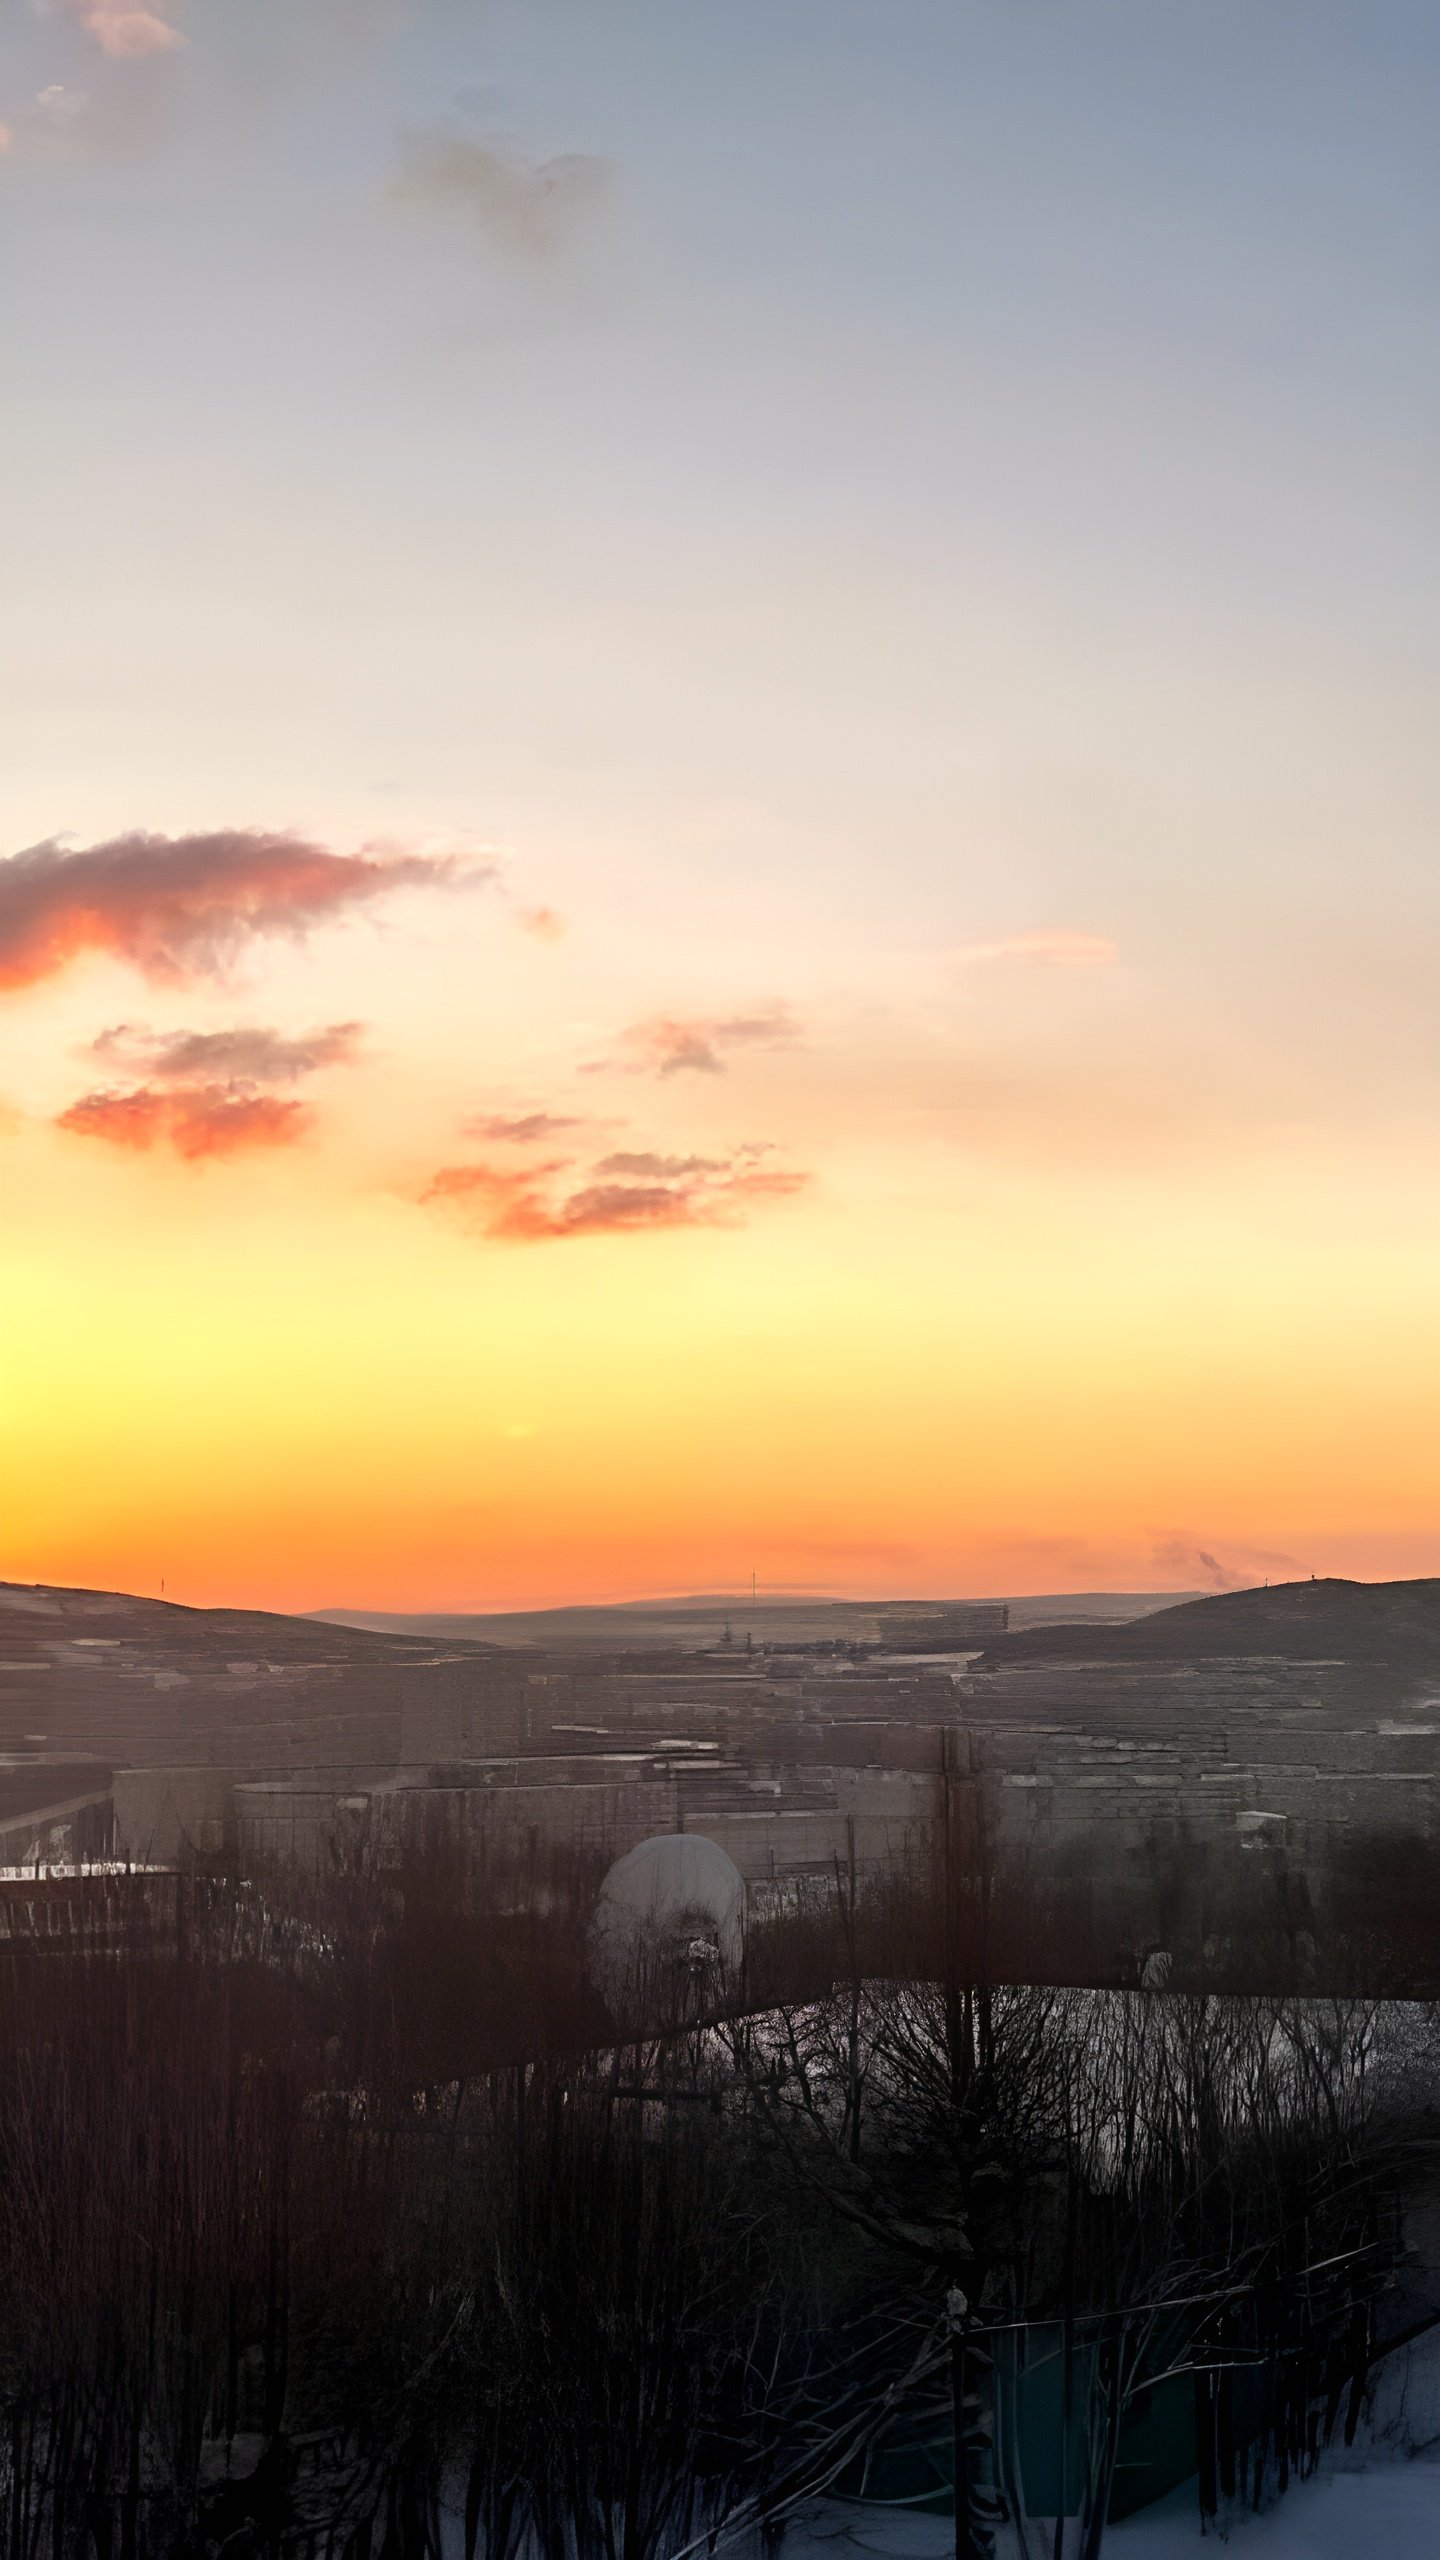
x: 1390, y: 2511
x: 1378, y: 2500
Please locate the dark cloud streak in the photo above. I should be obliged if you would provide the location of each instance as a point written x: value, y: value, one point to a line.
x: 523, y: 1129
x: 247, y: 1052
x: 639, y: 1162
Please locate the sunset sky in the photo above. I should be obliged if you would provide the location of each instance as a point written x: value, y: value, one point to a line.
x: 720, y: 782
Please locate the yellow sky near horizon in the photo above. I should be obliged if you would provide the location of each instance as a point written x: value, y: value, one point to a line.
x: 939, y: 1367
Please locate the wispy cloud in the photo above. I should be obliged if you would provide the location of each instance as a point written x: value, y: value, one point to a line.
x: 1058, y: 950
x: 126, y: 32
x: 698, y: 1044
x: 628, y: 1194
x: 247, y: 1052
x: 1251, y: 1565
x: 195, y: 1121
x: 521, y: 1129
x: 639, y: 1162
x: 546, y: 924
x: 180, y: 907
x: 525, y: 211
x: 57, y: 118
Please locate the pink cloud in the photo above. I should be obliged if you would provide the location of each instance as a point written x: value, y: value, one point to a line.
x: 676, y: 1044
x: 623, y: 1195
x: 201, y: 1091
x: 126, y: 32
x: 179, y: 907
x: 195, y: 1121
x: 545, y: 923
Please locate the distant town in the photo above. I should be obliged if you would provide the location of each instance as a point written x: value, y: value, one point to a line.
x: 1247, y: 1784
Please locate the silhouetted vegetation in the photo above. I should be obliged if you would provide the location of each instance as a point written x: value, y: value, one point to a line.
x: 334, y: 2219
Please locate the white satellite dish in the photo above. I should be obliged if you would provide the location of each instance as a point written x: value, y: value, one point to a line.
x: 669, y: 1926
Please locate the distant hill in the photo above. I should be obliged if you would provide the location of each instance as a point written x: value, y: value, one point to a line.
x: 701, y: 1619
x: 1331, y: 1619
x: 41, y: 1613
x: 115, y: 1679
x: 1326, y: 1620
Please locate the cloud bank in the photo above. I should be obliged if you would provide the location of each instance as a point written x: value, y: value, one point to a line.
x: 180, y: 907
